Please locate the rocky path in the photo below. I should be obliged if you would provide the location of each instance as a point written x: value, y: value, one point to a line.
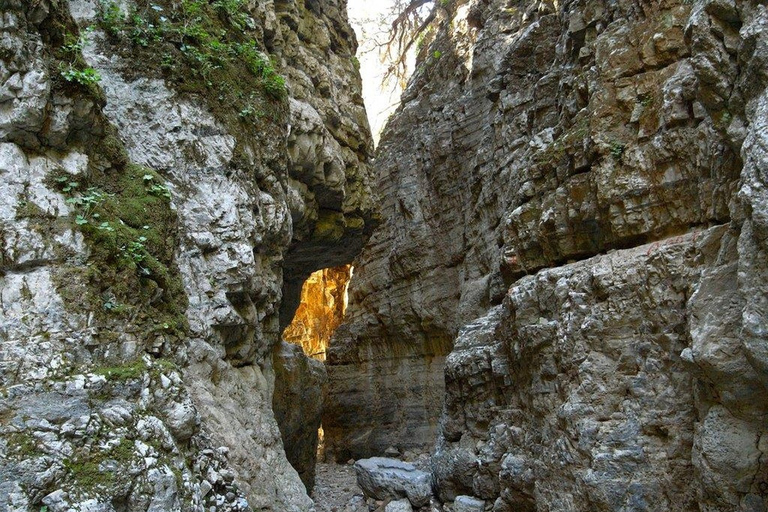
x: 336, y: 489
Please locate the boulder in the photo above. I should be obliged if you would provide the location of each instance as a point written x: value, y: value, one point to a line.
x: 383, y: 478
x: 402, y: 505
x: 468, y: 504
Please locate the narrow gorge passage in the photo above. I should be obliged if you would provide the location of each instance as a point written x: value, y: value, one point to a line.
x: 559, y: 297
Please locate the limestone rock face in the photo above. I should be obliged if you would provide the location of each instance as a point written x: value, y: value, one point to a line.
x: 298, y: 400
x: 577, y: 192
x: 149, y: 234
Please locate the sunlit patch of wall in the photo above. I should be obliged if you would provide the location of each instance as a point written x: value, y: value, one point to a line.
x: 321, y: 311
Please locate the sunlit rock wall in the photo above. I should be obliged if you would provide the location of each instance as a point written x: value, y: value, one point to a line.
x: 321, y: 311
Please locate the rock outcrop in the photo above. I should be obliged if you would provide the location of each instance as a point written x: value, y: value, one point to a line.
x: 383, y: 478
x: 588, y: 179
x: 169, y: 171
x: 300, y: 387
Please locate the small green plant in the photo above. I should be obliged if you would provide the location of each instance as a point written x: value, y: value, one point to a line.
x: 137, y: 252
x: 66, y: 185
x: 142, y: 32
x: 617, y: 150
x: 85, y: 203
x: 111, y: 18
x: 437, y: 54
x: 234, y: 12
x: 156, y: 189
x: 74, y: 44
x: 87, y: 76
x: 274, y: 86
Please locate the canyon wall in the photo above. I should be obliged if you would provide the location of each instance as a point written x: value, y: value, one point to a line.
x: 171, y: 172
x: 574, y: 206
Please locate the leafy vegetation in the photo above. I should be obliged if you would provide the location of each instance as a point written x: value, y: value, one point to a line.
x: 125, y: 215
x: 86, y: 76
x: 68, y: 61
x: 202, y: 47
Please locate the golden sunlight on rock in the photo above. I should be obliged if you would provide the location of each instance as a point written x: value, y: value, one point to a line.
x: 322, y: 308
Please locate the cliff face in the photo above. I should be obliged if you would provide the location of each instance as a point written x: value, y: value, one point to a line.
x: 588, y: 178
x: 163, y: 191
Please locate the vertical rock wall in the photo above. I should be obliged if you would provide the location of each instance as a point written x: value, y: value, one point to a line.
x: 587, y: 178
x: 155, y: 213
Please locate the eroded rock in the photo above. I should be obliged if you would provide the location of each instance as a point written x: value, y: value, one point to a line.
x: 383, y: 478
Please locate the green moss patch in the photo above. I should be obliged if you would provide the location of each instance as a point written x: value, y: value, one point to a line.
x: 22, y: 446
x: 205, y: 49
x: 88, y: 471
x: 124, y: 372
x: 125, y: 215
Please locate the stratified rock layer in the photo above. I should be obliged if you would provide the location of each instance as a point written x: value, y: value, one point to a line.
x: 149, y: 234
x: 589, y: 179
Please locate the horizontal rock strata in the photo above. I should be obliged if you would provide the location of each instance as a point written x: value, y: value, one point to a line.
x: 577, y: 192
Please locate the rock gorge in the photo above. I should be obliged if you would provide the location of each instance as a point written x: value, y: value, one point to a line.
x: 573, y: 218
x: 560, y: 276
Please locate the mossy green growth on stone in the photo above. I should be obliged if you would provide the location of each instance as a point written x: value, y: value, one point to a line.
x: 21, y: 445
x: 124, y: 212
x: 129, y: 371
x: 87, y: 469
x: 69, y: 71
x: 205, y: 49
x: 26, y: 209
x: 88, y: 475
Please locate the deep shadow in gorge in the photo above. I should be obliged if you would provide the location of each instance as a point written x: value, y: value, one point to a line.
x: 300, y: 374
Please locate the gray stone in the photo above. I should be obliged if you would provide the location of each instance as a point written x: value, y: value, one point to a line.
x: 299, y: 394
x: 383, y: 478
x: 468, y: 504
x: 402, y: 505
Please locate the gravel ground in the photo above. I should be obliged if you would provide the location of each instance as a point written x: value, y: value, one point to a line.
x: 336, y: 487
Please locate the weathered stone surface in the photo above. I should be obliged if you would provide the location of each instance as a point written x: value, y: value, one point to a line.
x: 591, y: 366
x: 468, y: 504
x: 542, y: 133
x: 383, y: 478
x: 578, y: 191
x: 399, y: 506
x: 298, y: 400
x: 119, y: 405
